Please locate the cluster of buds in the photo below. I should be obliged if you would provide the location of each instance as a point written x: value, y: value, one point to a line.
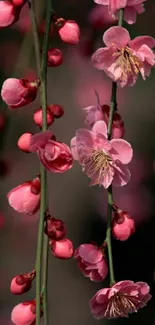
x: 55, y: 229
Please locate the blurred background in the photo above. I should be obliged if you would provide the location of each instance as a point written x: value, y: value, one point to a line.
x: 70, y: 198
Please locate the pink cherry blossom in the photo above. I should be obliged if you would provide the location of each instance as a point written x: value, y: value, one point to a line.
x: 55, y: 156
x: 91, y: 262
x: 103, y: 161
x: 24, y: 313
x: 62, y: 248
x: 19, y: 92
x: 122, y: 299
x: 123, y: 59
x: 68, y: 31
x: 123, y: 226
x: 9, y: 14
x: 131, y: 8
x: 25, y: 198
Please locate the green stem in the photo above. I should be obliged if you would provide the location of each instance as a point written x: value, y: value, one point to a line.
x: 43, y: 96
x: 113, y: 108
x: 42, y: 71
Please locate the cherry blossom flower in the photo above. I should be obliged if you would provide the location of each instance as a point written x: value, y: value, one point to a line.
x: 62, y: 248
x: 123, y: 59
x: 122, y: 299
x: 123, y: 226
x: 55, y: 156
x: 131, y: 8
x: 19, y: 92
x: 25, y: 198
x: 91, y: 262
x: 103, y: 161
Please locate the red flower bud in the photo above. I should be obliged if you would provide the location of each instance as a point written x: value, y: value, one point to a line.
x: 56, y: 110
x: 62, y: 248
x: 24, y: 142
x: 68, y: 31
x: 55, y: 228
x: 54, y: 57
x: 9, y: 14
x: 25, y: 313
x: 38, y: 114
x: 123, y: 226
x: 19, y: 92
x: 117, y: 125
x: 22, y: 283
x: 18, y: 3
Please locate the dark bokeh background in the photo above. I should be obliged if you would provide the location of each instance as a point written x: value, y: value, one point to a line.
x: 70, y: 197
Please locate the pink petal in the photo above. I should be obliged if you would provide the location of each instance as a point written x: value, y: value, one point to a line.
x: 74, y: 149
x: 121, y: 150
x: 100, y: 127
x: 147, y: 54
x: 118, y: 36
x: 139, y: 8
x: 103, y: 58
x: 130, y: 15
x: 39, y: 140
x: 7, y: 13
x: 115, y: 5
x: 137, y: 42
x: 143, y: 288
x: 134, y: 2
x: 122, y: 284
x: 122, y: 175
x: 90, y: 254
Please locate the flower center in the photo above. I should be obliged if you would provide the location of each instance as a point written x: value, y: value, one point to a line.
x: 129, y: 63
x: 120, y: 305
x: 97, y: 163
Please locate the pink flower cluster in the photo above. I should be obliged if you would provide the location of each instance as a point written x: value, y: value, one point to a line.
x: 131, y: 8
x: 124, y: 59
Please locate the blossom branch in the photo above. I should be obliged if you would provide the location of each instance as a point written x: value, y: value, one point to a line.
x: 42, y: 70
x: 113, y: 107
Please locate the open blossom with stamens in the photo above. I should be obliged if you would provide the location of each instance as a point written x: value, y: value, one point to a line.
x: 102, y: 160
x: 122, y: 299
x: 131, y: 8
x: 91, y: 262
x: 123, y: 59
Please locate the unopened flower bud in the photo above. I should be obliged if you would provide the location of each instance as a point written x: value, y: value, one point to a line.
x: 22, y: 283
x: 54, y: 57
x: 123, y: 226
x: 24, y: 142
x: 55, y: 228
x: 68, y: 31
x: 19, y: 92
x: 25, y: 198
x: 62, y: 248
x: 117, y: 125
x: 9, y: 14
x: 25, y: 313
x: 56, y: 110
x: 38, y: 117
